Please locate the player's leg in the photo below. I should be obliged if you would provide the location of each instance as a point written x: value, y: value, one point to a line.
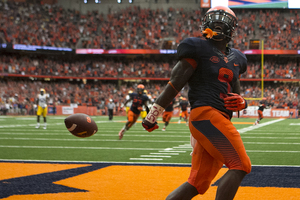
x: 38, y: 113
x: 184, y: 192
x: 260, y: 117
x: 186, y: 117
x: 45, y: 110
x: 229, y: 184
x: 204, y: 169
x: 220, y: 138
x: 166, y: 118
x: 131, y: 120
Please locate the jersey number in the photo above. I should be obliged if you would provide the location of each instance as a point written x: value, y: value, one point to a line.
x: 226, y: 76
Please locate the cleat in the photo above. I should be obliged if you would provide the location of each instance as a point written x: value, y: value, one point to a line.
x: 45, y: 127
x: 179, y: 122
x: 121, y: 134
x: 164, y: 129
x: 37, y: 126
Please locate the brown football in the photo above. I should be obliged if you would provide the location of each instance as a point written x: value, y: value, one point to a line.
x: 81, y: 125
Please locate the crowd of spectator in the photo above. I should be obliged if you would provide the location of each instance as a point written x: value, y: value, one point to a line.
x: 19, y: 96
x: 138, y: 28
x: 22, y: 94
x: 131, y: 28
x: 274, y: 68
x: 102, y: 67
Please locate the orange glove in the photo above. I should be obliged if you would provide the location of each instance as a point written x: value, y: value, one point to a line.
x: 148, y: 126
x: 235, y: 102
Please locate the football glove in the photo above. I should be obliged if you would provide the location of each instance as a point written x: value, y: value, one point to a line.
x: 149, y: 126
x: 235, y: 102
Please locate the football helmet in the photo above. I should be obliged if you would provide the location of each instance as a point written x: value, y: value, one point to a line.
x: 140, y: 88
x: 220, y: 20
x: 42, y: 91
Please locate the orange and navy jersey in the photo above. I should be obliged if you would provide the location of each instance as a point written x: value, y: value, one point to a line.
x: 215, y: 73
x: 170, y: 107
x: 261, y: 107
x: 183, y: 105
x: 137, y: 102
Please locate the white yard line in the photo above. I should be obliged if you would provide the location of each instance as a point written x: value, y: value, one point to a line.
x: 250, y: 128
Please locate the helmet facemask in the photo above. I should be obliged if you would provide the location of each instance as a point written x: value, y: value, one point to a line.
x: 221, y: 22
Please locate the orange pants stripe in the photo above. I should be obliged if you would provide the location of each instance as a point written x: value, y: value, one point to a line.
x: 184, y: 114
x: 218, y: 143
x: 167, y: 115
x: 132, y: 117
x: 260, y: 114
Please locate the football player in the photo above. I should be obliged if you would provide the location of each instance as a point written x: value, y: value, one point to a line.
x: 184, y: 113
x: 128, y: 105
x: 167, y: 114
x: 144, y: 112
x: 260, y: 111
x: 138, y: 101
x: 42, y: 101
x: 212, y: 71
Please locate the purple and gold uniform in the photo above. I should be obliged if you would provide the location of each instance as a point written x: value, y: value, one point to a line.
x: 168, y: 113
x: 136, y: 106
x: 218, y: 141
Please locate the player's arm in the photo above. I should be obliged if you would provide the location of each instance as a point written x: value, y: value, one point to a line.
x: 234, y: 101
x: 146, y: 106
x: 127, y: 101
x: 236, y: 88
x: 37, y: 100
x: 180, y: 75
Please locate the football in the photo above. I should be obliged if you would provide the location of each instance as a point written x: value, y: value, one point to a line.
x: 81, y: 125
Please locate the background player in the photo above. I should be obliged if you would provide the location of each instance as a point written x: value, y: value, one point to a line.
x: 144, y: 110
x: 138, y: 101
x: 42, y: 101
x: 128, y: 105
x: 184, y: 112
x: 168, y: 113
x: 260, y: 111
x: 212, y: 71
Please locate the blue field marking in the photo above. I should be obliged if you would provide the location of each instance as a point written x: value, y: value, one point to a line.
x: 272, y: 176
x: 261, y: 176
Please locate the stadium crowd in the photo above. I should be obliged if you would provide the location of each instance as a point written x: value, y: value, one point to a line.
x: 19, y: 96
x: 137, y: 28
x: 130, y: 28
x: 274, y: 68
x: 104, y: 67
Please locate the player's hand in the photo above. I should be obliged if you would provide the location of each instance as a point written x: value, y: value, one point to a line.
x: 149, y: 126
x: 235, y: 102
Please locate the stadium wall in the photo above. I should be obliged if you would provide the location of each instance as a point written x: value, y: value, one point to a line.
x: 107, y: 5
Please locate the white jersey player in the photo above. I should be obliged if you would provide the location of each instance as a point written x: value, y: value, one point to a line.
x: 42, y: 100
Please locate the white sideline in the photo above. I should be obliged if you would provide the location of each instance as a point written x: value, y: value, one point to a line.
x: 250, y: 128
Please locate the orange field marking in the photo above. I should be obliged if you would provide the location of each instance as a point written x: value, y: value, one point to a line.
x: 135, y: 183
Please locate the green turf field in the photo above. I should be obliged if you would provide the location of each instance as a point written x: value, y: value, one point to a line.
x: 273, y: 142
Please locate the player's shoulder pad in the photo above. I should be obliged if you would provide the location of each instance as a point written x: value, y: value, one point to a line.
x: 188, y: 48
x: 242, y: 60
x: 145, y: 97
x: 239, y: 54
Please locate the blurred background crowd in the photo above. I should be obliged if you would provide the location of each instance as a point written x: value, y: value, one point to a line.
x: 137, y: 28
x: 93, y: 80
